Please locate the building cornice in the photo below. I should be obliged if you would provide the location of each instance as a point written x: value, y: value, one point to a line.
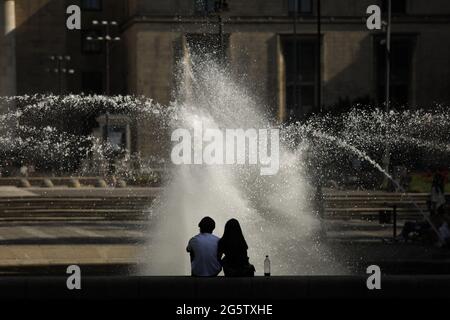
x: 237, y: 20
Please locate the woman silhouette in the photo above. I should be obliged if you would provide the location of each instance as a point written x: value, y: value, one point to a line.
x: 232, y: 251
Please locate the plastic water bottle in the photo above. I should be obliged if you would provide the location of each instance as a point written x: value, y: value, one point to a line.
x: 267, y: 267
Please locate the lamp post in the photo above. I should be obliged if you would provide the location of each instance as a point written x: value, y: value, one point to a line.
x: 60, y: 69
x: 388, y: 55
x: 296, y: 96
x: 386, y: 159
x: 107, y: 39
x: 220, y: 7
x: 319, y: 55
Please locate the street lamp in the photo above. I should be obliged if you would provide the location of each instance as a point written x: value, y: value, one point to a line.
x: 295, y: 111
x: 107, y: 39
x: 388, y: 55
x: 220, y: 7
x: 319, y: 56
x: 61, y: 68
x: 387, y: 27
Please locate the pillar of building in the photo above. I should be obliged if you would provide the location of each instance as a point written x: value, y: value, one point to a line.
x: 8, y: 48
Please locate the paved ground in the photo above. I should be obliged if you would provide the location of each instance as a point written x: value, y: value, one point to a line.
x: 34, y: 242
x: 67, y: 232
x: 131, y: 232
x: 51, y: 239
x: 69, y: 242
x: 111, y: 243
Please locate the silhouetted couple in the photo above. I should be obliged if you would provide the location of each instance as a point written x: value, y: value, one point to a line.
x: 209, y: 253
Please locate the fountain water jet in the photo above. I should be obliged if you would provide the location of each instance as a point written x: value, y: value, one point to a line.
x: 274, y: 211
x: 364, y: 156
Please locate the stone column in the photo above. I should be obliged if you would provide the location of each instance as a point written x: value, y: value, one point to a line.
x: 10, y: 16
x: 8, y: 55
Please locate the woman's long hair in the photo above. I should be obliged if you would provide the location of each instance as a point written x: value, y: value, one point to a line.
x: 233, y: 238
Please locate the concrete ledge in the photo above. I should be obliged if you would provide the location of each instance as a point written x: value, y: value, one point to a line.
x: 14, y: 192
x: 225, y: 289
x: 129, y: 192
x: 65, y: 181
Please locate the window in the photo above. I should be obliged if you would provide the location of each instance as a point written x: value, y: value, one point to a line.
x: 91, y: 5
x: 207, y: 46
x: 117, y: 136
x: 92, y: 82
x: 397, y: 6
x: 302, y: 6
x: 90, y: 46
x: 301, y: 75
x: 204, y: 6
x: 401, y: 70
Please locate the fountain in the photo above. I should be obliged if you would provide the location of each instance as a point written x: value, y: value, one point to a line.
x: 275, y: 211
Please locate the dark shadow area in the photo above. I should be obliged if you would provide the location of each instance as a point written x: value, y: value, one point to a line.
x: 187, y: 289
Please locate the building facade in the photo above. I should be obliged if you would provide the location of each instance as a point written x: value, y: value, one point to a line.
x: 275, y: 43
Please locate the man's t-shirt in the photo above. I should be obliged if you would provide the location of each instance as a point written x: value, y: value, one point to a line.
x: 204, y: 248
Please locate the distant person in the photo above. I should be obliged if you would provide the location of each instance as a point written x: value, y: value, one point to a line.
x: 31, y: 170
x: 437, y: 196
x: 319, y: 209
x: 319, y: 201
x: 203, y: 250
x: 23, y: 171
x: 232, y: 252
x: 418, y: 228
x: 423, y: 230
x: 356, y: 177
x: 444, y: 231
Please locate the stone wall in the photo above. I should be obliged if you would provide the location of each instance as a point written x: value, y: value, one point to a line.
x: 431, y: 66
x: 253, y: 59
x: 2, y: 50
x: 40, y: 33
x: 151, y: 57
x: 347, y: 66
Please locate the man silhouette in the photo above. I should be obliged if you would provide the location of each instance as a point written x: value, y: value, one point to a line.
x: 203, y: 250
